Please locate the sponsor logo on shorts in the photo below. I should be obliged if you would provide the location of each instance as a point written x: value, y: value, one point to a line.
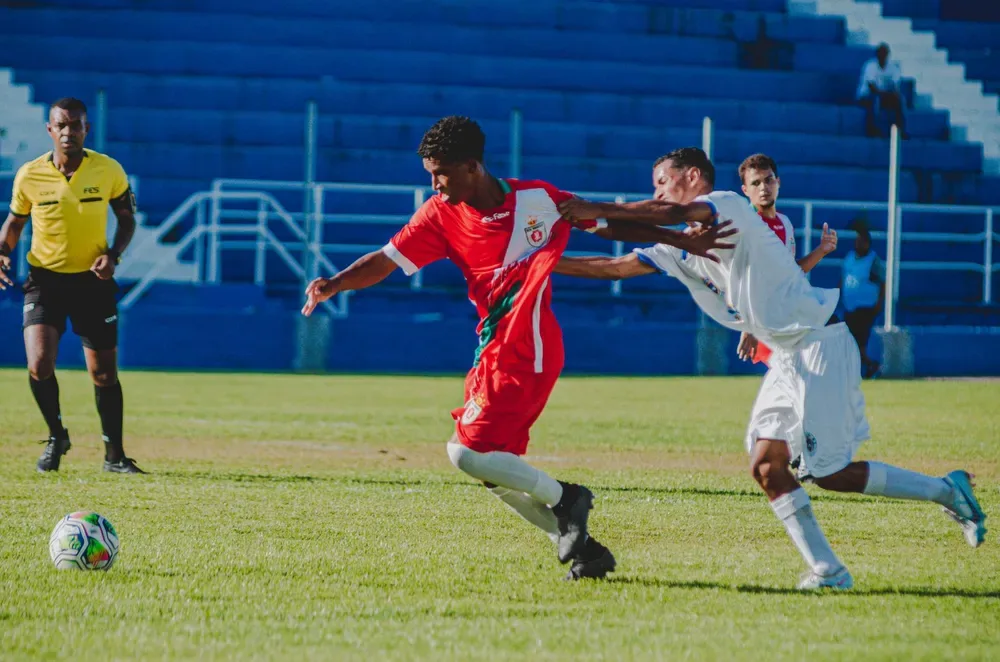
x: 810, y: 443
x: 28, y: 307
x: 111, y: 320
x: 473, y: 408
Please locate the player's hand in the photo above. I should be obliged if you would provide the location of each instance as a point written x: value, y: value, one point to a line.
x: 747, y: 349
x: 704, y: 238
x: 5, y: 280
x: 578, y: 209
x: 103, y: 267
x: 828, y: 242
x: 318, y: 291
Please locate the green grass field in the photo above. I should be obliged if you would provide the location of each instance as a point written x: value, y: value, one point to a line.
x: 318, y: 517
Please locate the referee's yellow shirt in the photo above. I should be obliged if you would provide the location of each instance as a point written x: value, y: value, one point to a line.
x: 69, y: 217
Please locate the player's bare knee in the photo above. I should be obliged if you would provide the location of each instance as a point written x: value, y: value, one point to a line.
x: 41, y: 368
x: 762, y: 471
x: 104, y: 377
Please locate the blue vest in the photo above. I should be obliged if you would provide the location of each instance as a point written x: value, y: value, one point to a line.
x: 859, y: 291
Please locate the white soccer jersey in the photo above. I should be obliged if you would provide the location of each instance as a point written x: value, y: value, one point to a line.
x: 782, y: 227
x: 755, y: 287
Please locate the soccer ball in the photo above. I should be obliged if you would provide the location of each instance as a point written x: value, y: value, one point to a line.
x: 86, y: 541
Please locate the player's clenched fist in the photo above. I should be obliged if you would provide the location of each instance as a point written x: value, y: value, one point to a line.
x: 5, y: 280
x: 317, y: 292
x: 578, y: 209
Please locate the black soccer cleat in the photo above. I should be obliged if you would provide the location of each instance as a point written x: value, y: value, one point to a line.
x: 55, y: 448
x: 594, y: 562
x: 126, y: 465
x: 572, y: 513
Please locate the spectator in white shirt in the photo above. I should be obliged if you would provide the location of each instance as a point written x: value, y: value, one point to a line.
x: 879, y: 87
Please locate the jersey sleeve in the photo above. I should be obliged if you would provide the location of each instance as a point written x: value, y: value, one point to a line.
x: 20, y: 204
x: 665, y: 259
x: 418, y: 243
x: 119, y: 180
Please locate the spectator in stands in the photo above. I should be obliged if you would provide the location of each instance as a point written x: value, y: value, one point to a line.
x: 879, y: 89
x: 862, y: 289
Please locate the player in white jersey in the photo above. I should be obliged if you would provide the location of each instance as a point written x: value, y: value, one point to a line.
x: 810, y: 404
x: 761, y: 184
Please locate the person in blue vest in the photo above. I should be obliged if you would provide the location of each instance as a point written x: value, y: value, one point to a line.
x: 862, y: 289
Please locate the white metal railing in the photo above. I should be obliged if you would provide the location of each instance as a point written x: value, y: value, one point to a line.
x: 210, y: 236
x: 237, y: 214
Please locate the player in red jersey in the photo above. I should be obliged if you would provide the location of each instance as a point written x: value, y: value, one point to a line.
x: 759, y: 176
x: 506, y: 236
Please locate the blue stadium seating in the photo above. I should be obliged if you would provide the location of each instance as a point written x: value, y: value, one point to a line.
x: 969, y: 29
x: 200, y: 89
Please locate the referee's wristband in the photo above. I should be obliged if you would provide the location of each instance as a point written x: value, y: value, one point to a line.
x: 115, y: 256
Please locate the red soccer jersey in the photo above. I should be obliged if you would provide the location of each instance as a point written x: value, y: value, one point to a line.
x: 507, y: 255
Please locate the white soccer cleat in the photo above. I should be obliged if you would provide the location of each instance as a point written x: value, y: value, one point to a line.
x: 840, y: 580
x: 965, y: 508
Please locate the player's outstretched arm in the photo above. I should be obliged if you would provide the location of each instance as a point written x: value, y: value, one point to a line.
x: 10, y: 232
x: 368, y: 270
x: 650, y: 212
x: 697, y: 242
x: 603, y: 268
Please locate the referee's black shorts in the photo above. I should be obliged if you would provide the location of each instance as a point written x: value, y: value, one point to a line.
x: 89, y: 303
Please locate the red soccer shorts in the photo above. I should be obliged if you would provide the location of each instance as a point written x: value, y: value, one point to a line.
x: 501, y: 407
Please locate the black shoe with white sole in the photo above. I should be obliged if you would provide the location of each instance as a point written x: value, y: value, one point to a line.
x: 572, y: 513
x: 55, y: 448
x: 126, y: 465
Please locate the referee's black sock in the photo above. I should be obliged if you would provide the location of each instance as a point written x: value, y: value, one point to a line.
x: 110, y: 406
x: 46, y: 394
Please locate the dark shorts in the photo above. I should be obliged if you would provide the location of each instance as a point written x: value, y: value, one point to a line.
x: 860, y: 322
x: 89, y: 303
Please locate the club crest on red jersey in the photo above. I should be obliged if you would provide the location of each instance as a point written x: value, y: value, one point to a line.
x: 535, y: 232
x: 473, y: 408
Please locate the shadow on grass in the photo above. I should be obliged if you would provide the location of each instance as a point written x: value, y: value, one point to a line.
x: 919, y: 591
x: 246, y: 477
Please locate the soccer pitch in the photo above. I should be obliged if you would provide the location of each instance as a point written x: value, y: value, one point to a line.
x: 318, y: 517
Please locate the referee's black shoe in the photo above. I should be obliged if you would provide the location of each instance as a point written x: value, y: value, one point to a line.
x: 55, y: 448
x: 126, y: 465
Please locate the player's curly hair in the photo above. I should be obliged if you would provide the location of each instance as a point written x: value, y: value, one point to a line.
x: 758, y: 162
x: 452, y: 140
x: 690, y: 157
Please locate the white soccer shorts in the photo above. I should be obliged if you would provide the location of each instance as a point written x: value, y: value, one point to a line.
x: 811, y: 398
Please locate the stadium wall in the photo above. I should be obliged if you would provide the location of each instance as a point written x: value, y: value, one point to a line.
x: 265, y: 340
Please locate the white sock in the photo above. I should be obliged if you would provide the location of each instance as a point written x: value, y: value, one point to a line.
x: 535, y: 512
x: 796, y: 514
x: 890, y: 481
x: 506, y: 470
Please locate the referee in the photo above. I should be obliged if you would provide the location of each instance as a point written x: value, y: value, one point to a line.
x: 67, y: 192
